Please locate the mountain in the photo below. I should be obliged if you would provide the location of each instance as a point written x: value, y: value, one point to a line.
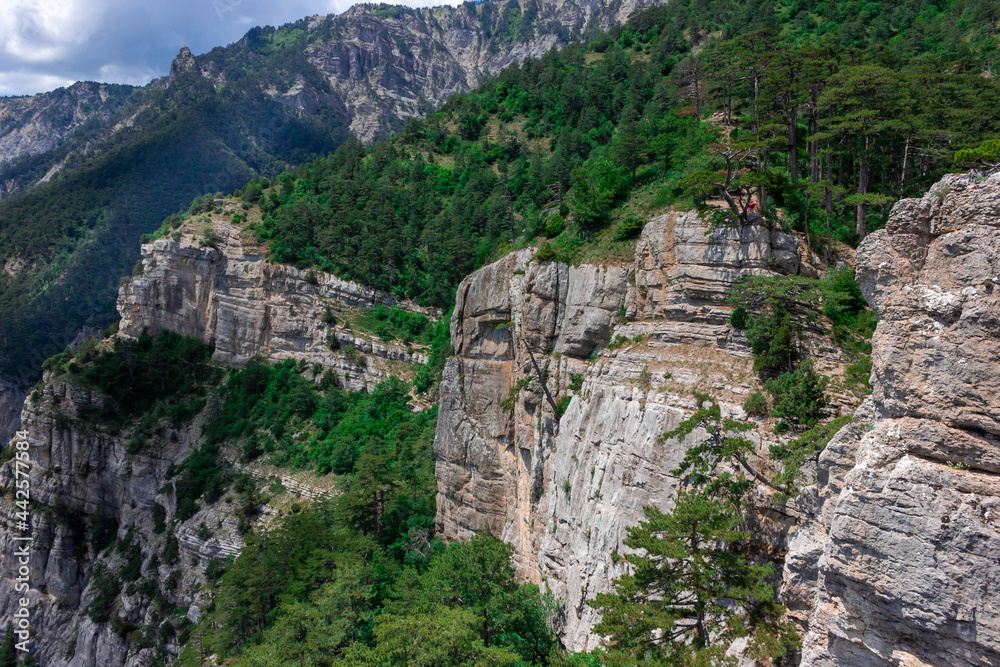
x: 272, y: 100
x: 262, y: 464
x: 30, y: 125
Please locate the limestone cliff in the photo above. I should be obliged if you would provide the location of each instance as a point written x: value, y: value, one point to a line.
x: 86, y: 478
x: 228, y: 294
x: 628, y: 343
x: 900, y: 564
x: 82, y: 477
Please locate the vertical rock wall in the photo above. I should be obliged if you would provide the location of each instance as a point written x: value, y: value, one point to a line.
x: 232, y: 297
x: 901, y: 564
x: 627, y: 343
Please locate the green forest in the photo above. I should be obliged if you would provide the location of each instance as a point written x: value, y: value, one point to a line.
x: 824, y: 118
x: 74, y: 237
x: 825, y: 114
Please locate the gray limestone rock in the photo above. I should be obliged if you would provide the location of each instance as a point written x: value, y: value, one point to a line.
x: 564, y: 491
x: 905, y: 552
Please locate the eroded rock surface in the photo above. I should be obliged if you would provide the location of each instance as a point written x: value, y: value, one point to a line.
x: 232, y: 297
x: 625, y: 344
x: 82, y: 477
x: 905, y: 547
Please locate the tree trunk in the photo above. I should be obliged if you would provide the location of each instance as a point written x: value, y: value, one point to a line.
x: 829, y: 208
x: 902, y: 173
x: 813, y: 152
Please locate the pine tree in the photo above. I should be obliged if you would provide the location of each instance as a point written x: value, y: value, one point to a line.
x: 8, y: 653
x: 689, y: 593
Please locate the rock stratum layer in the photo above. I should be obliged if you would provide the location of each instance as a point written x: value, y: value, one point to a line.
x: 231, y: 296
x: 627, y: 343
x: 901, y: 565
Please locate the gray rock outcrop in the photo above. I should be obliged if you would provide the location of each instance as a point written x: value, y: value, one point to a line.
x: 624, y: 345
x: 82, y: 476
x: 231, y: 296
x: 901, y: 564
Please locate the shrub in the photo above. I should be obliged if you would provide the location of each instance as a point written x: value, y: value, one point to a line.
x: 172, y: 550
x: 799, y: 396
x: 106, y: 586
x: 561, y: 405
x: 629, y: 228
x: 738, y: 318
x: 328, y: 317
x: 756, y: 405
x: 159, y: 519
x: 772, y: 339
x: 546, y: 253
x: 209, y: 239
x: 215, y: 569
x: 555, y: 226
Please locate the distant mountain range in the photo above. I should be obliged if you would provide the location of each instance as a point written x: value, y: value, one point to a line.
x: 87, y: 169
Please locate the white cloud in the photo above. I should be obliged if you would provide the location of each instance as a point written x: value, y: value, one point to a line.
x: 135, y: 75
x: 16, y: 83
x: 37, y: 31
x: 45, y: 44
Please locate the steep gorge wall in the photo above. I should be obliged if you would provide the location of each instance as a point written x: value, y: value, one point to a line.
x: 231, y: 296
x: 563, y: 493
x: 901, y: 563
x: 86, y: 475
x: 82, y: 476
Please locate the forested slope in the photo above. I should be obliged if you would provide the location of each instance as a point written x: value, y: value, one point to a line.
x: 274, y: 99
x: 824, y: 119
x: 826, y: 113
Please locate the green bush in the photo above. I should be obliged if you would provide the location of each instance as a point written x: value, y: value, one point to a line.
x: 799, y: 396
x: 772, y: 337
x: 562, y: 404
x: 629, y: 228
x: 159, y: 519
x: 757, y: 405
x: 738, y: 318
x: 546, y: 253
x: 555, y: 226
x: 105, y: 586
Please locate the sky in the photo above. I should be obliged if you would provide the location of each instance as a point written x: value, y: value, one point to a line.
x: 45, y: 44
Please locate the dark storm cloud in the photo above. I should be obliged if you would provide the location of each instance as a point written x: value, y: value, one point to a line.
x: 45, y: 44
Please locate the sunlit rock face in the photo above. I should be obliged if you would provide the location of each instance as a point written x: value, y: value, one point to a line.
x: 901, y: 565
x: 627, y: 342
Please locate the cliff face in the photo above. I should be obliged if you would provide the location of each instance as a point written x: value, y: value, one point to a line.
x: 35, y: 124
x: 900, y: 564
x: 563, y: 492
x: 390, y: 65
x: 82, y: 478
x: 231, y: 296
x: 86, y: 478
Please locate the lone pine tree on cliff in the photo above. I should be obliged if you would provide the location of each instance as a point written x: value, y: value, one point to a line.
x: 693, y: 587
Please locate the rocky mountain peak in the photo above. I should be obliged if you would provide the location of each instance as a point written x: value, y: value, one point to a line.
x: 184, y: 62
